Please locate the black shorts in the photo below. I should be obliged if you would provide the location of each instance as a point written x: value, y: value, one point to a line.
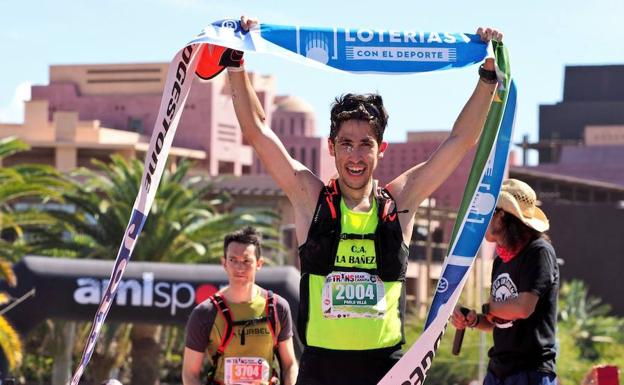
x: 330, y: 367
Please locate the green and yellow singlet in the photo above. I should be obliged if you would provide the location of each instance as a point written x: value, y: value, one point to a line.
x: 352, y: 308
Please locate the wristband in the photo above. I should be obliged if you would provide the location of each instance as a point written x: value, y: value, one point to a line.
x: 236, y: 69
x: 485, y: 309
x: 475, y: 323
x: 487, y: 76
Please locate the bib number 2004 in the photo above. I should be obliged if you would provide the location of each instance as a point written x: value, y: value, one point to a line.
x: 362, y: 293
x: 353, y: 295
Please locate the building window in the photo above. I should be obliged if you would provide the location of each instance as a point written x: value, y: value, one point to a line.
x: 581, y: 195
x: 292, y: 126
x: 600, y: 196
x: 135, y: 124
x: 313, y: 162
x: 565, y: 193
x: 292, y: 152
x: 226, y: 167
x: 303, y: 155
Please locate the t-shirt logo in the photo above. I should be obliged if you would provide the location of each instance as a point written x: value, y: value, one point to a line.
x: 504, y: 288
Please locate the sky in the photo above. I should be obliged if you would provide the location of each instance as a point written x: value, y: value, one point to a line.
x: 542, y: 37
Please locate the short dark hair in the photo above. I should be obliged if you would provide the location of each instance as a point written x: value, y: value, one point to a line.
x: 366, y: 107
x: 516, y: 233
x: 247, y: 236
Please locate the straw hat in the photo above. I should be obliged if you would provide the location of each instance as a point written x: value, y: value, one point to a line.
x: 518, y: 199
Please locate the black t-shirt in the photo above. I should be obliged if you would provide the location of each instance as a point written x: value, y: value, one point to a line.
x: 202, y: 319
x: 526, y: 344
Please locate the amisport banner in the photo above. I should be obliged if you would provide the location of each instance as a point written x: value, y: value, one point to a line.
x: 350, y: 50
x: 476, y: 209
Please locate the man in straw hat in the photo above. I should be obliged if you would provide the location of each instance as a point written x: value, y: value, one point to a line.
x: 522, y: 308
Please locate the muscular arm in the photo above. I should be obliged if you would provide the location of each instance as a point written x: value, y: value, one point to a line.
x: 290, y: 368
x: 298, y: 182
x: 417, y: 183
x: 191, y: 367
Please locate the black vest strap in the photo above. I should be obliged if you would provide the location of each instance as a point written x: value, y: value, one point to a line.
x: 370, y: 236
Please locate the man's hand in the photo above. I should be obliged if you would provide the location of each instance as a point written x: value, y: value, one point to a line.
x: 460, y: 321
x: 248, y: 23
x: 214, y: 58
x: 489, y: 34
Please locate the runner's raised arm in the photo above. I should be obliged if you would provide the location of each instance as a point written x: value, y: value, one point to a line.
x: 297, y: 181
x: 414, y: 185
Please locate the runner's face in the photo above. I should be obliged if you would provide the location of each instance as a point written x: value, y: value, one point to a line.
x: 356, y: 153
x: 240, y: 263
x: 494, y: 230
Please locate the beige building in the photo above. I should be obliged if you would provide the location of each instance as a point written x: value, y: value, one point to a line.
x: 66, y: 142
x: 611, y: 135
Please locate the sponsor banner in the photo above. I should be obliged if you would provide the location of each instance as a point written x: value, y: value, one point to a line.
x: 146, y: 293
x: 353, y: 50
x: 474, y: 216
x: 337, y: 48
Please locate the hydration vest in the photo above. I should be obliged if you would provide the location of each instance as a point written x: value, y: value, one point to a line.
x: 270, y: 318
x: 317, y: 256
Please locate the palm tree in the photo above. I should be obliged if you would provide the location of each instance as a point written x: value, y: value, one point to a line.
x: 184, y: 225
x: 587, y: 319
x: 22, y: 188
x: 10, y: 342
x: 28, y: 185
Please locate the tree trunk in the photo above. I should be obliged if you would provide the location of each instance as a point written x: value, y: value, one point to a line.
x: 64, y: 335
x: 112, y: 351
x: 145, y: 354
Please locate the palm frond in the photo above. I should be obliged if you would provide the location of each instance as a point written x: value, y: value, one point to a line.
x: 4, y: 298
x: 11, y: 145
x: 6, y: 273
x: 10, y: 343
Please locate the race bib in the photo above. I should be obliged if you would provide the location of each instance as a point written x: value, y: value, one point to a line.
x: 246, y: 370
x: 353, y: 295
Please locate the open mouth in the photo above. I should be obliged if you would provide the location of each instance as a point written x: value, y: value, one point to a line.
x: 356, y: 170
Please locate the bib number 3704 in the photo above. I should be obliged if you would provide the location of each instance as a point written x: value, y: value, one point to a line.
x: 246, y: 370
